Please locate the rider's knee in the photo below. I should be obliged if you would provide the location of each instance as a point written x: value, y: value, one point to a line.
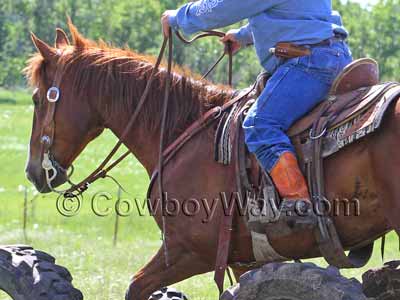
x: 262, y: 123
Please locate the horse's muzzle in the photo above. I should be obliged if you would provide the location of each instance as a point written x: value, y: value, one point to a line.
x: 36, y: 175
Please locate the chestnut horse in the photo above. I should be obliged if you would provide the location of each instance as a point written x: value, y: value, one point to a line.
x: 100, y: 87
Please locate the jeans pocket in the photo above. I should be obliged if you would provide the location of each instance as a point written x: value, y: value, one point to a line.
x: 325, y: 59
x: 325, y: 63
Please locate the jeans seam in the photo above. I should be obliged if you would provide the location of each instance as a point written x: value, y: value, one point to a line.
x: 308, y: 70
x: 276, y: 85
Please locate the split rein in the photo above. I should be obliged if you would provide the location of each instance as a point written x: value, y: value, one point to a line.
x: 50, y: 165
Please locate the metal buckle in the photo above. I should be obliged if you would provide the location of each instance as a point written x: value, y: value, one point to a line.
x: 218, y: 112
x: 54, y: 90
x: 312, y: 137
x: 331, y: 99
x: 45, y: 140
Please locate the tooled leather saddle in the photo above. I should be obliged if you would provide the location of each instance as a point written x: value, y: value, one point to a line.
x: 354, y: 108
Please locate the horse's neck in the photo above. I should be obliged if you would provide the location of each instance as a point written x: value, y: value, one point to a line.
x: 142, y: 142
x: 143, y: 145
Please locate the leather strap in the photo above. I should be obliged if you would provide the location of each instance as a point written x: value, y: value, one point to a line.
x: 102, y: 170
x: 47, y: 134
x: 225, y: 230
x: 224, y: 241
x: 160, y: 156
x: 328, y: 239
x: 228, y: 50
x: 289, y: 50
x: 210, y: 116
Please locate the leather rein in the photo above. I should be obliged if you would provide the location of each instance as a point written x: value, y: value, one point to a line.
x: 52, y: 167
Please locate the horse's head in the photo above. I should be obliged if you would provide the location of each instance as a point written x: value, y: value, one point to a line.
x: 63, y: 123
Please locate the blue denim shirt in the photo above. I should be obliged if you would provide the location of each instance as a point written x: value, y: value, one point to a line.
x: 270, y: 21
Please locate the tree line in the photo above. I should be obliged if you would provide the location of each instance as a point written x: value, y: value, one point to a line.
x: 374, y: 32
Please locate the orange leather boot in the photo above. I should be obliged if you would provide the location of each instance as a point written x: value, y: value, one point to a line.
x: 296, y: 209
x: 288, y: 178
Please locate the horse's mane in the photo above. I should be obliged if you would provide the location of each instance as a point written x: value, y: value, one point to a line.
x: 116, y: 78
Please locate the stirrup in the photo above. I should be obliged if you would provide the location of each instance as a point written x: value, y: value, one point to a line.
x: 294, y: 216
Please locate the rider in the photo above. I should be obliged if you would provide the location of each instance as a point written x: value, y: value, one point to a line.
x: 296, y: 85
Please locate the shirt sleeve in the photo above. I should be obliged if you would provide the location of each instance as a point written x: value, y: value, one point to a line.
x: 210, y: 14
x: 244, y: 35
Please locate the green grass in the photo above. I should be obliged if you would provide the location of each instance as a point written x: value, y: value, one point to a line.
x: 84, y: 243
x: 16, y: 96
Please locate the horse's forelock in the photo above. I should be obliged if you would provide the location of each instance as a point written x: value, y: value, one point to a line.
x: 34, y: 70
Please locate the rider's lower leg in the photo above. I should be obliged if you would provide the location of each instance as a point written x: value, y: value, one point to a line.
x: 296, y: 209
x: 288, y: 178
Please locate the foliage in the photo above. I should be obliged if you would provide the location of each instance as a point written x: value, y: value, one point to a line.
x: 15, y: 96
x: 374, y: 31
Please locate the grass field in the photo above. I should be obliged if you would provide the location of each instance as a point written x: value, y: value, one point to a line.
x: 84, y: 243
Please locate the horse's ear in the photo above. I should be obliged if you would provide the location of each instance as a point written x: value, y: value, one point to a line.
x: 78, y: 40
x: 45, y: 50
x: 61, y: 39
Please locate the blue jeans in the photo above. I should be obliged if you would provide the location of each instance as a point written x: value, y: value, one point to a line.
x: 294, y: 89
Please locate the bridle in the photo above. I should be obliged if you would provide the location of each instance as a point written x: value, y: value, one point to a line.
x: 52, y: 168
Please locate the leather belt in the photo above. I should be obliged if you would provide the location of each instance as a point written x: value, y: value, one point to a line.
x: 291, y: 50
x: 327, y: 42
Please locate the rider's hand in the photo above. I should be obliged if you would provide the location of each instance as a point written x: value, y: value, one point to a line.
x: 230, y: 36
x: 165, y: 22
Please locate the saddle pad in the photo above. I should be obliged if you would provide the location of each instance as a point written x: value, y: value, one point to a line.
x: 223, y: 139
x: 225, y: 132
x: 357, y: 101
x: 366, y: 117
x: 366, y: 122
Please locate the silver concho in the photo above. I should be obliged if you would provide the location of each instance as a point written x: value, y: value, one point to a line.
x: 53, y: 94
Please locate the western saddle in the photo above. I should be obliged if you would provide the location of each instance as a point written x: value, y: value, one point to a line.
x: 360, y: 73
x: 354, y: 108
